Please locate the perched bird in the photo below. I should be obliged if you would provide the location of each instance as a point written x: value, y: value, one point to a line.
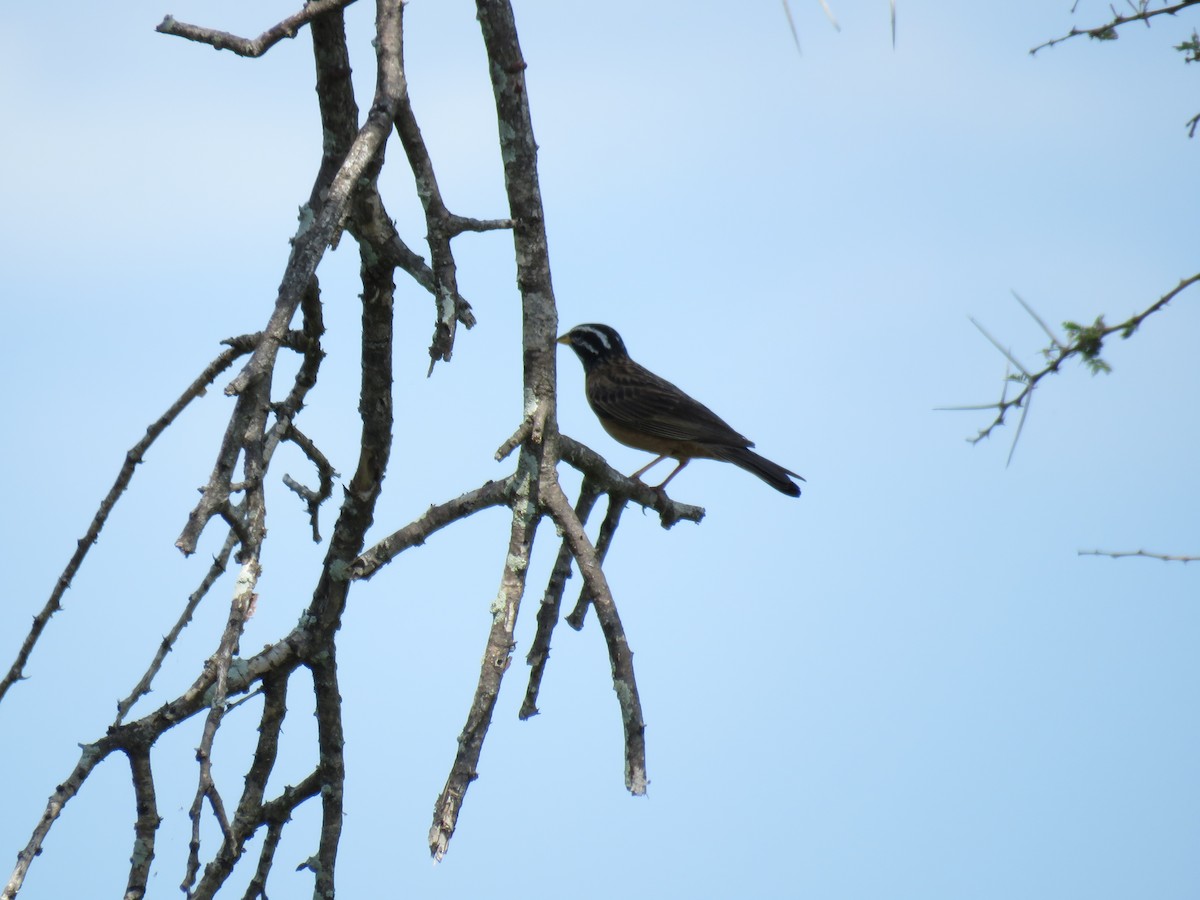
x: 646, y: 412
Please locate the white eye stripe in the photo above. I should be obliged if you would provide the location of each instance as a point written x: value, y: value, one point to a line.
x: 597, y: 334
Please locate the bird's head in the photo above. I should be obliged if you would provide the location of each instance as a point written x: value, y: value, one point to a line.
x: 594, y: 344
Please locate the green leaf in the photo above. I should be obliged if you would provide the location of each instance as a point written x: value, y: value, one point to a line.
x: 1191, y: 48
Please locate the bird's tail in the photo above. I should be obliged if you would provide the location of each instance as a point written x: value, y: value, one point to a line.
x: 772, y: 473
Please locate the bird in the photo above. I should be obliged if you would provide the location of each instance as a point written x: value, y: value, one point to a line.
x: 646, y: 412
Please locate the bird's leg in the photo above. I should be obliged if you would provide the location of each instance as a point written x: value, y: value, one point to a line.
x: 637, y: 476
x: 679, y: 468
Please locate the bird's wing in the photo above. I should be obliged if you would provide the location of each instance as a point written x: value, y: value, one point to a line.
x: 634, y: 396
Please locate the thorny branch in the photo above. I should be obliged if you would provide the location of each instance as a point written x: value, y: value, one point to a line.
x: 1145, y: 554
x: 1081, y: 341
x: 1142, y: 12
x: 345, y: 198
x: 135, y: 456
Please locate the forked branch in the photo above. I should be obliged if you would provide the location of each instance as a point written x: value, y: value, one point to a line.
x: 223, y: 40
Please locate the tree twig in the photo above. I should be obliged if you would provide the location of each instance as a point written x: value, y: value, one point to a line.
x: 219, y: 564
x: 1084, y: 341
x: 135, y: 455
x: 437, y: 517
x: 608, y: 527
x: 252, y: 47
x: 619, y: 655
x: 610, y: 481
x: 240, y: 609
x: 1118, y: 554
x: 1108, y: 30
x: 497, y: 656
x: 145, y: 827
x: 325, y: 475
x: 548, y: 610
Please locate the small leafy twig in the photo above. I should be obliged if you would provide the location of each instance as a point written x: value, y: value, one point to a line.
x: 1141, y: 13
x: 1108, y: 30
x: 1190, y: 48
x: 1084, y: 341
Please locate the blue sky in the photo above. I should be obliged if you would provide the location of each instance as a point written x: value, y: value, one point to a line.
x: 906, y: 684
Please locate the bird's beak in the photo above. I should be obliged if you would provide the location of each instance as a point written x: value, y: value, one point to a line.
x: 565, y: 339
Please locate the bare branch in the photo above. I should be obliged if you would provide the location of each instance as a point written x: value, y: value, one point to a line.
x: 619, y: 655
x: 252, y: 47
x: 145, y: 827
x: 1118, y: 554
x: 135, y: 455
x: 539, y: 324
x: 92, y: 755
x: 456, y: 225
x: 219, y: 564
x: 249, y: 815
x: 608, y: 528
x: 275, y: 815
x: 518, y: 437
x: 497, y: 656
x: 440, y: 229
x: 610, y: 481
x: 325, y: 472
x: 240, y: 609
x: 332, y: 767
x: 280, y: 657
x: 547, y: 617
x: 491, y: 493
x: 317, y: 227
x: 539, y: 316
